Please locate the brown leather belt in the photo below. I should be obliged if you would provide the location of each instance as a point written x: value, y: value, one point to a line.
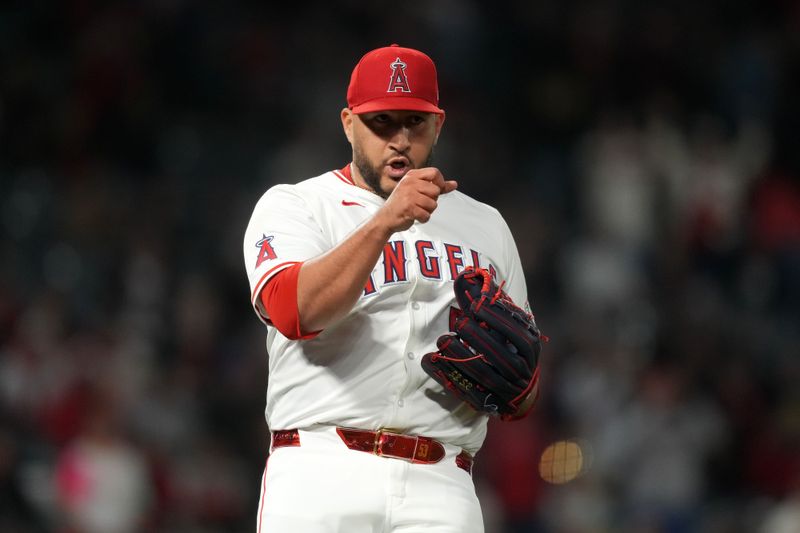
x: 412, y: 448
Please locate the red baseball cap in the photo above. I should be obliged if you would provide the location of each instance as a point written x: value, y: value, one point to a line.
x: 392, y: 78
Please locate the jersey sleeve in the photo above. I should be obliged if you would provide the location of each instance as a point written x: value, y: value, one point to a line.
x: 282, y: 232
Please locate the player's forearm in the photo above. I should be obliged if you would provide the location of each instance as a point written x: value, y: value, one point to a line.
x: 329, y: 285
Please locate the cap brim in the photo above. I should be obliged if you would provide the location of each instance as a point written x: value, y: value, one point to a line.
x: 396, y: 103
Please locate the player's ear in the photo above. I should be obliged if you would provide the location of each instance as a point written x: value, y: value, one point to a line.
x: 439, y: 123
x: 347, y: 124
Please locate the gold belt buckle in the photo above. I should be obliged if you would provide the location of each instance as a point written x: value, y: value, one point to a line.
x: 377, y: 448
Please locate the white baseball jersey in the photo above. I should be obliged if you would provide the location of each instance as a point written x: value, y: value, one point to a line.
x: 364, y: 370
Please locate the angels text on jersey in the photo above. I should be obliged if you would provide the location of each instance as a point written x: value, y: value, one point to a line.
x: 433, y: 261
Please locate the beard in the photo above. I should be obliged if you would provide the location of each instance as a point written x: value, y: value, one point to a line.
x: 372, y: 173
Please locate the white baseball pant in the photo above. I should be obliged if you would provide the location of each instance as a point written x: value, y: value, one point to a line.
x: 322, y: 486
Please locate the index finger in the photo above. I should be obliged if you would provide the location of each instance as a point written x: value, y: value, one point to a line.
x: 435, y: 176
x: 449, y: 186
x: 445, y: 186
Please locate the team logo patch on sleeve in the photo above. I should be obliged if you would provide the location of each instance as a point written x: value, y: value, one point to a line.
x: 266, y: 251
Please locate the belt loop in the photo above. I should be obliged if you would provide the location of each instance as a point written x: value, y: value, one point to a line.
x: 376, y: 444
x: 414, y: 452
x: 465, y: 462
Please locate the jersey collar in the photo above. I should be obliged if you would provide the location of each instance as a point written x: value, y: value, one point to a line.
x: 346, y: 175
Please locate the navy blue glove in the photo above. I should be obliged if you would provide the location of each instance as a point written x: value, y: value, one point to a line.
x: 491, y: 358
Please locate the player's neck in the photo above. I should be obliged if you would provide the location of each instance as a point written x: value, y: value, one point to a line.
x: 355, y: 176
x: 357, y: 179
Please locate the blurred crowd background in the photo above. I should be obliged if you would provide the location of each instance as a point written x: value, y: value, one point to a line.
x: 645, y: 155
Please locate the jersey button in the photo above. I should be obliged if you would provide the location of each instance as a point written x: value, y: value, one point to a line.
x: 412, y: 229
x: 400, y: 403
x: 414, y: 305
x: 410, y: 355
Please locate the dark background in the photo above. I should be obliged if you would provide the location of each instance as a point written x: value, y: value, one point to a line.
x: 644, y: 154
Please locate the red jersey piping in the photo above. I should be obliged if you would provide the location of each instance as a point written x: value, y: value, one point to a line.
x: 345, y: 175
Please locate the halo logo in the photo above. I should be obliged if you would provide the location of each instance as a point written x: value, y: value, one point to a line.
x: 398, y: 82
x: 266, y: 252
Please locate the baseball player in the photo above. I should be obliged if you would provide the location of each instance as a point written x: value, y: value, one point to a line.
x: 375, y: 416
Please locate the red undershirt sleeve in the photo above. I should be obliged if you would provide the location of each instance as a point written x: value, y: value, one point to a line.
x: 279, y: 297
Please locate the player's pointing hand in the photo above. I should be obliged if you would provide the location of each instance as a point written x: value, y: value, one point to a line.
x: 433, y: 175
x: 415, y: 198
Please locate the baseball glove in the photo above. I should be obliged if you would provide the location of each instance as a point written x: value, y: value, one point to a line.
x: 490, y: 359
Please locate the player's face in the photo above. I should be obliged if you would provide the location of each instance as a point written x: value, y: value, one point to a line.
x: 387, y: 144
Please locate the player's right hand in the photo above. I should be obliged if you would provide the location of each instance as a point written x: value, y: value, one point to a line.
x: 414, y: 198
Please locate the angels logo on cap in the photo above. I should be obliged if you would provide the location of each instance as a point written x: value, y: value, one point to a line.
x: 398, y: 81
x: 413, y: 83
